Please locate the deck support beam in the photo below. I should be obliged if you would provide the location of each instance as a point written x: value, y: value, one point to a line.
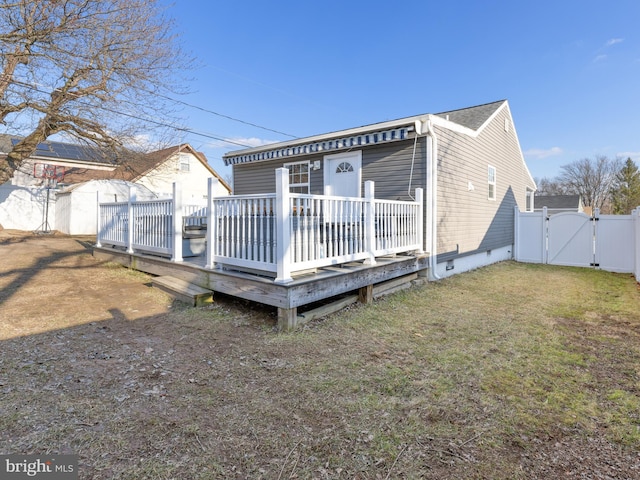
x: 287, y: 318
x: 365, y: 294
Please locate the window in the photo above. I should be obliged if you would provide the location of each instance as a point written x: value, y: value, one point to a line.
x: 344, y: 167
x: 492, y: 182
x: 298, y: 177
x: 184, y: 162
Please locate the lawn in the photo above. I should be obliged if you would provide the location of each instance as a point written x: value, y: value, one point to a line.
x: 513, y: 371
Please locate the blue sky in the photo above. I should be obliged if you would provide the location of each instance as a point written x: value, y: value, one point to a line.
x: 570, y: 70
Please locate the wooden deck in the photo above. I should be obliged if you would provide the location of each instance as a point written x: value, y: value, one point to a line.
x: 330, y: 282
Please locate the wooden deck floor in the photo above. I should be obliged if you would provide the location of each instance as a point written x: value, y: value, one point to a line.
x: 305, y: 289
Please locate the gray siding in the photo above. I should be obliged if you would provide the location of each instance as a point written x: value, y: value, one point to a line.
x: 468, y: 222
x: 389, y: 166
x: 260, y: 177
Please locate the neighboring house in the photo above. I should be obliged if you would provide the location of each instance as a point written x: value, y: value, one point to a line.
x: 468, y: 162
x: 27, y: 203
x: 158, y: 171
x: 58, y: 157
x: 559, y: 203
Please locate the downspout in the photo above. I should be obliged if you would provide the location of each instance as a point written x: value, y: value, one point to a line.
x: 432, y: 199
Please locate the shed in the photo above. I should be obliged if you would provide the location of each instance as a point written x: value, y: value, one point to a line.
x: 559, y: 203
x: 76, y: 205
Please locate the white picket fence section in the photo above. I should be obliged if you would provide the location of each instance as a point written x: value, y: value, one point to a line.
x: 608, y: 242
x: 277, y: 234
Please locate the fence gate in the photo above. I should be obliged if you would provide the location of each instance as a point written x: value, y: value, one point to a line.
x: 571, y: 239
x: 609, y: 242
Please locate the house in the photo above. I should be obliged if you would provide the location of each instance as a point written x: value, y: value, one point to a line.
x: 158, y: 171
x: 559, y: 203
x: 55, y: 170
x: 344, y: 216
x: 54, y: 158
x: 468, y: 162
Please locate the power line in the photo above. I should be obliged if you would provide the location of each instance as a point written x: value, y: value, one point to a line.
x: 223, y: 115
x: 148, y: 120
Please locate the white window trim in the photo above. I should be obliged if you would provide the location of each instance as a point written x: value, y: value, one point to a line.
x: 298, y: 185
x: 184, y: 159
x: 494, y: 182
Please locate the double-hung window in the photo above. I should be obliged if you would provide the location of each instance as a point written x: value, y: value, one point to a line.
x: 185, y: 165
x: 491, y: 180
x: 298, y: 177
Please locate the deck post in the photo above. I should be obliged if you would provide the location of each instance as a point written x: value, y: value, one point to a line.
x: 365, y: 294
x: 369, y: 222
x: 98, y: 244
x: 287, y: 319
x: 131, y: 221
x: 176, y: 233
x: 283, y: 227
x: 420, y: 226
x: 212, y: 224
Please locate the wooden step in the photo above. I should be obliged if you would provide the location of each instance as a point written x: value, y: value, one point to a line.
x: 184, y: 291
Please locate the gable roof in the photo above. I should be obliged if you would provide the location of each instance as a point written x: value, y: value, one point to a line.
x: 467, y: 120
x: 473, y: 117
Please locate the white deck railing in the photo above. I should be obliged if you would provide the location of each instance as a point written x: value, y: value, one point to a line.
x: 152, y: 229
x: 277, y: 234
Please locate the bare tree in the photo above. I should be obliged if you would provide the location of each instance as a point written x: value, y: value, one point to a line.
x: 590, y: 178
x: 90, y: 68
x: 548, y: 186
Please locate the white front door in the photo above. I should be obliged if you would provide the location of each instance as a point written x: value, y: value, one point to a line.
x: 342, y: 174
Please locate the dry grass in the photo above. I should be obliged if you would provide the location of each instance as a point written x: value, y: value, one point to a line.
x: 512, y: 371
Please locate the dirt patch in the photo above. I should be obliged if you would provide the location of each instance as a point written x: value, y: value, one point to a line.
x: 53, y: 282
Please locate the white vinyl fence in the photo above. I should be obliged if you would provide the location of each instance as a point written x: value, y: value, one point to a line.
x: 608, y: 242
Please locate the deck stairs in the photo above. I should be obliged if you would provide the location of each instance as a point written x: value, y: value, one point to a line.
x: 184, y: 291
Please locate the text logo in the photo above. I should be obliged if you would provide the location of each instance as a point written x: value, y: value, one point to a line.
x: 49, y: 467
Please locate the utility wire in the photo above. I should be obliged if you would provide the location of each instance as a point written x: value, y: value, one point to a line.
x: 222, y: 115
x: 148, y: 120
